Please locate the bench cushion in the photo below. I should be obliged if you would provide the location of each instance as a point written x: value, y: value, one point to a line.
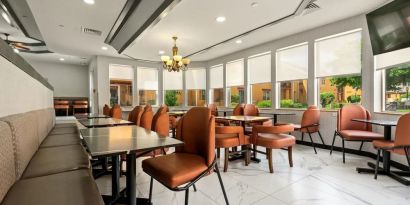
x: 53, y: 160
x: 67, y: 188
x: 61, y: 140
x: 7, y: 163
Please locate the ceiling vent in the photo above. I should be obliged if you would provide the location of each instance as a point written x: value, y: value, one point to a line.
x: 310, y: 8
x: 91, y: 31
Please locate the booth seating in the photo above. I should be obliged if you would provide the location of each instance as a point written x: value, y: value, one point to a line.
x: 43, y: 163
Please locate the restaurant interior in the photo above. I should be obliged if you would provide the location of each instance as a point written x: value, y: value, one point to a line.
x: 297, y: 102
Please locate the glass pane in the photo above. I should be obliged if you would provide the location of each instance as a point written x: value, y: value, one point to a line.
x: 196, y: 97
x: 174, y: 98
x: 121, y: 92
x: 218, y: 96
x: 148, y: 97
x: 113, y: 95
x: 397, y: 96
x: 293, y: 94
x: 337, y: 91
x: 261, y: 94
x: 125, y: 95
x: 236, y: 95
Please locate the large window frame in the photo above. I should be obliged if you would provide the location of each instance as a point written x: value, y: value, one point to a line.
x: 195, y: 83
x: 235, y: 82
x: 121, y: 80
x: 216, y: 85
x: 173, y: 90
x: 147, y: 85
x: 260, y: 81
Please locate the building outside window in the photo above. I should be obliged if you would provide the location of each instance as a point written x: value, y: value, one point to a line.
x: 397, y: 88
x: 196, y: 86
x: 338, y: 68
x: 235, y: 82
x: 292, y: 75
x: 259, y: 72
x: 173, y: 88
x: 147, y: 86
x: 121, y: 80
x: 216, y: 92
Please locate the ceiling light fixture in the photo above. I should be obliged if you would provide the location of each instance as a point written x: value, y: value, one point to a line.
x: 89, y: 2
x: 221, y: 19
x: 6, y: 17
x: 254, y: 4
x: 16, y: 50
x: 104, y: 48
x: 177, y: 63
x: 61, y: 59
x: 239, y: 41
x: 161, y: 52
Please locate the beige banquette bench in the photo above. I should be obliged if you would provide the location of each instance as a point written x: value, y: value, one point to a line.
x: 43, y: 163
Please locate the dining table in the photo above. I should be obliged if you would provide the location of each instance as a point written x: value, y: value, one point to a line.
x: 276, y: 114
x: 225, y: 110
x: 124, y: 140
x: 385, y: 170
x: 90, y: 116
x: 103, y: 122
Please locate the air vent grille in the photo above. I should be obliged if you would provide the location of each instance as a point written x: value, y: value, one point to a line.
x: 311, y: 7
x: 91, y: 31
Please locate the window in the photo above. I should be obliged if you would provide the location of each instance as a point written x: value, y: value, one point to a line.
x: 121, y: 78
x: 173, y: 88
x: 292, y: 74
x: 235, y: 82
x: 196, y: 86
x: 338, y: 66
x: 147, y: 86
x: 259, y: 72
x: 216, y: 94
x: 397, y: 87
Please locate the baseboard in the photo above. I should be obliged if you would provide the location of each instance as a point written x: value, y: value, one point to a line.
x: 354, y: 151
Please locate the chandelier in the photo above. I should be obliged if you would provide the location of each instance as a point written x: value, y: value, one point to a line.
x: 176, y: 62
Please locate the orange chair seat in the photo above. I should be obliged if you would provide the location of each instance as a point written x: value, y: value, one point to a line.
x: 229, y: 140
x: 61, y: 106
x: 387, y: 144
x: 360, y: 135
x: 275, y: 141
x: 175, y: 169
x: 80, y: 106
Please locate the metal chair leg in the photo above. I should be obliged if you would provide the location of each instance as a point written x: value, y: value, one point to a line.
x: 361, y: 146
x: 376, y: 169
x: 290, y: 156
x: 269, y: 153
x: 303, y: 136
x: 226, y: 159
x: 343, y: 148
x: 186, y: 196
x: 218, y: 152
x: 194, y: 187
x: 406, y: 151
x: 150, y: 191
x: 222, y: 184
x: 321, y: 138
x: 333, y: 143
x: 313, y: 144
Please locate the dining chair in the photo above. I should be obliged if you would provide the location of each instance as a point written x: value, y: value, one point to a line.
x: 400, y: 145
x: 146, y: 117
x: 106, y: 110
x: 116, y: 112
x: 349, y: 130
x: 132, y: 114
x: 238, y: 110
x: 229, y: 137
x: 253, y: 110
x: 160, y: 121
x: 214, y: 109
x: 273, y: 137
x: 192, y: 161
x: 310, y: 124
x: 62, y: 105
x: 137, y: 115
x: 81, y: 105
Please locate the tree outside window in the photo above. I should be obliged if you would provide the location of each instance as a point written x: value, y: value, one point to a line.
x: 397, y: 96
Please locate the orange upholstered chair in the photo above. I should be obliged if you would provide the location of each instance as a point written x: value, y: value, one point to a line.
x: 232, y: 136
x: 160, y: 121
x: 146, y: 117
x: 349, y: 130
x: 214, y: 109
x: 238, y: 110
x: 253, y: 110
x: 137, y: 115
x: 116, y: 112
x: 273, y: 137
x: 400, y: 145
x: 192, y: 161
x: 310, y: 124
x: 106, y: 110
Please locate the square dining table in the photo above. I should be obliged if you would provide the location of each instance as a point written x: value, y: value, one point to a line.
x: 128, y: 140
x: 103, y: 122
x: 276, y: 114
x: 90, y: 116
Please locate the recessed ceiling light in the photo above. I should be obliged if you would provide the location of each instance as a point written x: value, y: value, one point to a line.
x: 220, y: 19
x: 90, y: 2
x: 61, y: 59
x: 161, y: 52
x: 6, y: 17
x: 239, y: 41
x: 16, y: 50
x: 254, y: 4
x: 104, y: 48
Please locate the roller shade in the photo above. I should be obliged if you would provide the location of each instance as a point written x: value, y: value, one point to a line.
x: 172, y: 80
x: 195, y: 78
x: 339, y: 55
x: 234, y: 73
x: 292, y: 63
x: 121, y: 72
x: 387, y: 60
x: 216, y: 77
x: 259, y: 68
x: 147, y: 78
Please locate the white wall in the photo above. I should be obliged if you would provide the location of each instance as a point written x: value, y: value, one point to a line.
x: 19, y: 92
x: 68, y: 80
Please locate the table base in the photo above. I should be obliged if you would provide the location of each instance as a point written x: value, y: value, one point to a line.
x: 108, y: 200
x: 396, y: 175
x: 241, y: 156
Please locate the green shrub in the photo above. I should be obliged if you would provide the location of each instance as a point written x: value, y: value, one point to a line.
x: 264, y: 104
x: 326, y: 98
x: 171, y: 98
x: 354, y: 99
x: 286, y: 103
x: 234, y: 99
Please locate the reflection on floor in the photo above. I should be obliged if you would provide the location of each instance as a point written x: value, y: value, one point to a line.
x: 314, y: 179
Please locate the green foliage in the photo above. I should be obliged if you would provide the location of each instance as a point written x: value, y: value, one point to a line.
x: 353, y: 81
x: 289, y: 103
x: 397, y: 77
x: 326, y: 98
x: 264, y: 104
x: 171, y: 98
x: 354, y: 99
x: 235, y: 99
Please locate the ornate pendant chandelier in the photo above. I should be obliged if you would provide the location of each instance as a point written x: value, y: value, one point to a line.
x: 176, y: 62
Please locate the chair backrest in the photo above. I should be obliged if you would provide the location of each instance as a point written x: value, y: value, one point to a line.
x: 312, y: 107
x: 349, y: 112
x: 81, y: 102
x: 116, y: 112
x: 106, y: 110
x: 131, y: 114
x: 197, y: 130
x: 137, y: 115
x: 311, y: 116
x: 403, y: 131
x: 238, y: 110
x: 251, y: 110
x: 160, y: 121
x: 214, y: 109
x: 61, y: 102
x: 146, y: 117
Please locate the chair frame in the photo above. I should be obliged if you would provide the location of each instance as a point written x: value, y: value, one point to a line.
x: 310, y: 134
x: 406, y: 149
x: 212, y: 167
x: 343, y: 144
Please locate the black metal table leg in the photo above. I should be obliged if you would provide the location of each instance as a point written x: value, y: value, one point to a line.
x: 275, y: 119
x: 131, y: 177
x: 115, y: 178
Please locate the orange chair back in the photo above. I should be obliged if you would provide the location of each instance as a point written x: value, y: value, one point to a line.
x: 310, y: 117
x: 214, y: 109
x: 403, y: 131
x: 160, y: 121
x: 106, y: 110
x: 238, y: 110
x: 251, y: 110
x: 197, y: 130
x: 137, y: 114
x: 146, y: 117
x: 116, y: 112
x: 349, y: 112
